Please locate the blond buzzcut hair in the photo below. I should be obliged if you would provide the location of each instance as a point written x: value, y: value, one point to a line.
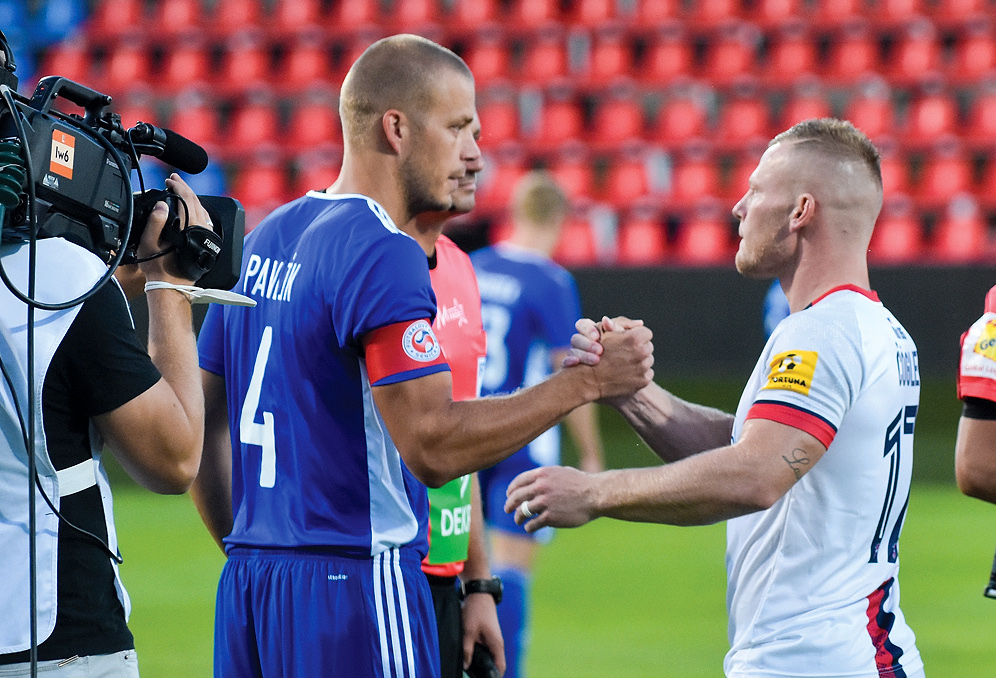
x: 837, y: 139
x: 398, y: 72
x: 539, y: 200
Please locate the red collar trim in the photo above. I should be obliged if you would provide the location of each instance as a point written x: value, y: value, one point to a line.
x: 871, y: 294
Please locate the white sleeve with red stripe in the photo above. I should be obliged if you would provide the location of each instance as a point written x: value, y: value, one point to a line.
x: 811, y: 373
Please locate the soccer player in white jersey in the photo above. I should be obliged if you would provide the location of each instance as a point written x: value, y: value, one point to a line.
x: 813, y: 472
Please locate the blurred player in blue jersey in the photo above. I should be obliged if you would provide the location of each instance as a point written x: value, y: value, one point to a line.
x: 329, y: 406
x: 529, y: 307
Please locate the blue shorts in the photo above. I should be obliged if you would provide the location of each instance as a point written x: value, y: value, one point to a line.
x: 494, y: 482
x: 300, y: 613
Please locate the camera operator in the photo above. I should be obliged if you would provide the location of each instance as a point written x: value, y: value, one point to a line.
x: 95, y: 383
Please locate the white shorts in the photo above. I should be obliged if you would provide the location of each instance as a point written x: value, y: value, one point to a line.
x: 118, y: 665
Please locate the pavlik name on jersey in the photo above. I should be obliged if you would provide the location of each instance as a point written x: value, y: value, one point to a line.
x: 270, y: 279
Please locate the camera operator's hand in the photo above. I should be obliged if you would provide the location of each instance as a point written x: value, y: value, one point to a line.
x: 163, y: 268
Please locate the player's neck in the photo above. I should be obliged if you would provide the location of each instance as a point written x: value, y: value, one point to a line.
x: 809, y: 282
x: 426, y: 229
x: 376, y: 180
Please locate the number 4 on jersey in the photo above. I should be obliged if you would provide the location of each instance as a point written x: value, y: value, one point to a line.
x: 251, y: 433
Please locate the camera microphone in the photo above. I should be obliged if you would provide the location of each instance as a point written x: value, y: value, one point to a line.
x: 172, y: 148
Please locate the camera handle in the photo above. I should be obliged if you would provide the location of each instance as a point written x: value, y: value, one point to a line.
x: 53, y: 86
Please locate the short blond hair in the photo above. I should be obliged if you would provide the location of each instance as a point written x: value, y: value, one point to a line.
x: 398, y: 72
x: 539, y: 200
x: 835, y: 138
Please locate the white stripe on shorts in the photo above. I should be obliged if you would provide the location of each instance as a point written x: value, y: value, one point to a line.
x: 387, y: 571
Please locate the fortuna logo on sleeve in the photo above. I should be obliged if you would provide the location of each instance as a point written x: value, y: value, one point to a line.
x: 420, y: 343
x: 792, y: 371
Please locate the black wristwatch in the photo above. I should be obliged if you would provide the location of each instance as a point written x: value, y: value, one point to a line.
x: 490, y: 586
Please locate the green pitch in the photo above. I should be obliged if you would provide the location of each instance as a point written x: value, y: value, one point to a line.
x: 611, y: 599
x: 616, y: 599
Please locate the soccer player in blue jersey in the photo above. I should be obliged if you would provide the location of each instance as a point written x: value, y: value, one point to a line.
x: 329, y: 406
x: 529, y: 307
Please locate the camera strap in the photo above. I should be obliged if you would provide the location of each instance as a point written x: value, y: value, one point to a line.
x: 198, y: 295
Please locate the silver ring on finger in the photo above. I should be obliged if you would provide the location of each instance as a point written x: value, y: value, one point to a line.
x: 524, y: 507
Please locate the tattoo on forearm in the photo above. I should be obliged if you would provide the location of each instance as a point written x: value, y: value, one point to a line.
x: 797, y: 461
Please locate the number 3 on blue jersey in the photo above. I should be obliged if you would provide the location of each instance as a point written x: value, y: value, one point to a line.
x: 251, y: 433
x: 496, y: 322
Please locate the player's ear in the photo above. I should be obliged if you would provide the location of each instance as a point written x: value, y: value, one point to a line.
x: 802, y: 211
x: 396, y: 129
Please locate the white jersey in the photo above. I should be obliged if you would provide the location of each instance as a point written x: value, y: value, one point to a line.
x: 812, y: 581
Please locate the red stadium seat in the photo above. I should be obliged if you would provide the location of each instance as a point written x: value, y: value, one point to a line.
x: 116, y: 19
x: 574, y: 172
x: 931, y: 117
x: 313, y: 125
x: 545, y: 60
x: 949, y: 14
x: 128, y: 68
x: 962, y: 236
x: 627, y: 180
x: 197, y: 120
x: 916, y: 56
x: 669, y: 59
x: 502, y: 172
x: 488, y: 59
x: 610, y: 61
x: 245, y: 66
x: 895, y: 13
x: 695, y: 175
x: 738, y: 180
x: 744, y: 121
x: 296, y: 17
x: 807, y: 103
x: 853, y: 57
x: 499, y: 118
x: 834, y: 14
x: 526, y: 16
x: 315, y: 172
x: 974, y: 55
x: 679, y: 121
x: 987, y: 186
x: 732, y: 58
x: 254, y: 130
x: 577, y: 245
x: 642, y: 240
x: 261, y: 185
x: 792, y: 58
x: 69, y: 59
x: 872, y: 111
x: 306, y: 66
x: 946, y: 173
x: 713, y: 14
x: 236, y: 16
x: 895, y: 172
x: 593, y: 14
x: 187, y: 66
x: 655, y: 14
x: 618, y: 119
x: 415, y: 16
x: 474, y: 15
x: 773, y: 14
x: 704, y: 239
x: 898, y: 236
x: 175, y: 18
x: 138, y: 109
x: 980, y: 132
x: 561, y: 121
x: 353, y: 16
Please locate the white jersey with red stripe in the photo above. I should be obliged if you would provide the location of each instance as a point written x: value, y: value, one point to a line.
x: 812, y: 581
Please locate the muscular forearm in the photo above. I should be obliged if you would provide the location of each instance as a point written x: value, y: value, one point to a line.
x: 975, y: 458
x: 673, y: 428
x: 212, y: 489
x: 476, y: 566
x: 173, y: 350
x: 457, y: 438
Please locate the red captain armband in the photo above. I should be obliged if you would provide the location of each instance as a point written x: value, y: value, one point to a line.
x: 403, y: 351
x: 813, y: 424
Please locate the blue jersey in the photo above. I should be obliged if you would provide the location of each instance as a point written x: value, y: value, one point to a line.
x: 313, y: 464
x: 529, y: 305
